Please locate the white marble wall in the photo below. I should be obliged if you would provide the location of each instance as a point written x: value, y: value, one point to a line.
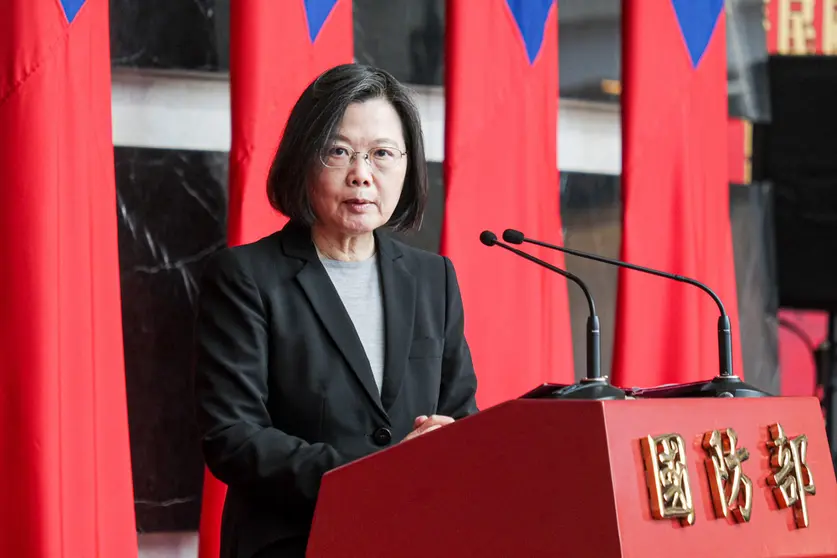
x: 181, y: 110
x: 168, y: 545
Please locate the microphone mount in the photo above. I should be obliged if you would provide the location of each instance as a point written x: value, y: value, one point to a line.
x: 725, y: 384
x: 594, y: 386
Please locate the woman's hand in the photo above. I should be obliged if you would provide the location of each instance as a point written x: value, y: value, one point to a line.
x: 424, y: 424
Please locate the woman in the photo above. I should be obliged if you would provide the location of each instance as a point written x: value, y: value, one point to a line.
x: 328, y: 340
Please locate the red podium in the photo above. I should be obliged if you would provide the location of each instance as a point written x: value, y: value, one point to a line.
x: 643, y: 478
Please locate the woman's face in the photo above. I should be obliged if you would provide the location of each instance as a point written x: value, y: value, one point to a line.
x: 361, y: 174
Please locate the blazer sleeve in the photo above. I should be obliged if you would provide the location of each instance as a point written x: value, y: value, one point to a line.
x: 457, y: 396
x: 238, y: 441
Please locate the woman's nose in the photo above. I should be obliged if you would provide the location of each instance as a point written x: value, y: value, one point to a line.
x: 360, y: 172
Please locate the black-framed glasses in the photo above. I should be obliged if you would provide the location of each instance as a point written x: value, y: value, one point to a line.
x: 382, y: 157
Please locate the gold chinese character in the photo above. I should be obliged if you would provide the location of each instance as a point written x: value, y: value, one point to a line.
x: 796, y: 33
x: 667, y: 476
x: 829, y: 27
x: 791, y: 479
x: 731, y: 489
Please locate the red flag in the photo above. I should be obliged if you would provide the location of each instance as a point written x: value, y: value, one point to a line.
x: 501, y: 172
x: 276, y: 50
x: 675, y: 187
x: 63, y: 417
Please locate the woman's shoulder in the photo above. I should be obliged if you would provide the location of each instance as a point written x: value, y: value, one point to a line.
x: 411, y: 251
x: 421, y: 261
x: 252, y: 258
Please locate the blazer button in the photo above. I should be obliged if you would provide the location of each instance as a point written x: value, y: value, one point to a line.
x: 382, y: 436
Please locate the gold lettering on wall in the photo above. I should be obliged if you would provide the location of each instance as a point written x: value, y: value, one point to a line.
x: 796, y: 33
x: 829, y: 26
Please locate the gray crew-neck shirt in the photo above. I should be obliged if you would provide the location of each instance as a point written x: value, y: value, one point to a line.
x: 359, y: 287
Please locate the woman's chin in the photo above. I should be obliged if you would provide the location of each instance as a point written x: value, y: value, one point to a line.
x: 361, y: 224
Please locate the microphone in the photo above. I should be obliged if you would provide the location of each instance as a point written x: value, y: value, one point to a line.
x: 594, y: 386
x: 725, y: 384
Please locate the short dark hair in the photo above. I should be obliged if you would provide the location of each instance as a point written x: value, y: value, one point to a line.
x: 312, y: 125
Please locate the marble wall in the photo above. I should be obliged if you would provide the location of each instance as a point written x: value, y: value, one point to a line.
x: 430, y: 235
x: 406, y: 37
x: 753, y: 231
x: 591, y: 212
x: 170, y: 34
x: 172, y: 213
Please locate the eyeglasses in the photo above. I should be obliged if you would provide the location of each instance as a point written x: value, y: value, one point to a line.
x: 382, y: 158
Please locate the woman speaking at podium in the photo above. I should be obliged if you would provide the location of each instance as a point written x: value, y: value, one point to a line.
x: 327, y: 340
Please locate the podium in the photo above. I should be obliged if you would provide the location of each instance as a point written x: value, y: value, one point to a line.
x: 603, y: 479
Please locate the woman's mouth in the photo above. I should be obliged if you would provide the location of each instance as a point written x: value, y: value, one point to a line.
x: 358, y: 205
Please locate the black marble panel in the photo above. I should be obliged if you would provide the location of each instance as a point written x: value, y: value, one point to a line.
x: 170, y: 34
x: 589, y: 48
x: 751, y: 217
x: 430, y: 235
x: 172, y: 215
x: 590, y: 53
x: 404, y: 37
x: 591, y: 212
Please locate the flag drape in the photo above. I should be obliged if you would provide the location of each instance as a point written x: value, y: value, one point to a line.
x: 276, y: 50
x: 63, y: 417
x: 500, y: 169
x: 675, y: 188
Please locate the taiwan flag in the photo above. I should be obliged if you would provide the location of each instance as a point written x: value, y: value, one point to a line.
x: 276, y: 51
x: 66, y: 461
x: 500, y: 169
x: 675, y: 187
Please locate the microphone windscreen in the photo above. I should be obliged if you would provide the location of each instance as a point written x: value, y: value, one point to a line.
x: 488, y: 238
x: 513, y: 237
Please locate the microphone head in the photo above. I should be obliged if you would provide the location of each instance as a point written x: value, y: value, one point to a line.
x: 513, y: 237
x: 488, y: 238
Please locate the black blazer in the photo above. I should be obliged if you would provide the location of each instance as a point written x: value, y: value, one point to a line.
x: 284, y: 389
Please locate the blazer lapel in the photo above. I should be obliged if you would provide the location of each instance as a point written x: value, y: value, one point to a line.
x: 323, y: 297
x: 399, y: 293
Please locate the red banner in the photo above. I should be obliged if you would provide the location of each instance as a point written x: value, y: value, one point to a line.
x: 500, y: 168
x: 66, y: 460
x: 675, y: 188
